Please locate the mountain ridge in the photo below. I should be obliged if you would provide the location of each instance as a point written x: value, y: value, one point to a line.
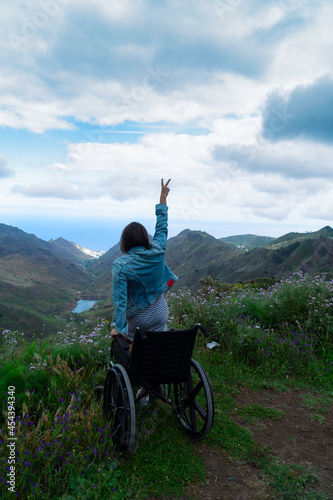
x: 72, y: 251
x: 37, y: 285
x: 248, y: 241
x: 40, y: 281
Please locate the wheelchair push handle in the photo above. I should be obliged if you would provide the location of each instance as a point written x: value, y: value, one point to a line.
x: 202, y: 329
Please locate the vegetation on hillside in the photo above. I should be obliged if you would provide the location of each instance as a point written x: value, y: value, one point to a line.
x: 324, y: 232
x: 275, y: 336
x: 248, y: 241
x: 40, y: 281
x: 193, y: 254
x: 286, y: 327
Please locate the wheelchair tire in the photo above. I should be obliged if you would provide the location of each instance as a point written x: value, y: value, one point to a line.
x: 194, y: 402
x: 119, y: 408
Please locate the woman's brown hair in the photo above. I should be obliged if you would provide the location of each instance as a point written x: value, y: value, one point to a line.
x: 134, y: 235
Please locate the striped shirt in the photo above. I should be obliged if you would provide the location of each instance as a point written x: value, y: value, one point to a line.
x: 153, y: 318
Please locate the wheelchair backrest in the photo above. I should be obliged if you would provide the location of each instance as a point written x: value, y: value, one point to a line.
x: 161, y: 357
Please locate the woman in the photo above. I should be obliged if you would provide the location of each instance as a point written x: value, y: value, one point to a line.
x: 140, y: 277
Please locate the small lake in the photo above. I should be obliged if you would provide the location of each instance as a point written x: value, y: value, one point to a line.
x: 84, y: 305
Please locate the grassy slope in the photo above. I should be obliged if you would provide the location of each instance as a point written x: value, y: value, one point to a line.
x: 248, y: 241
x: 195, y: 254
x: 69, y: 451
x: 309, y: 254
x: 35, y: 294
x: 288, y: 238
x: 38, y: 287
x: 164, y: 461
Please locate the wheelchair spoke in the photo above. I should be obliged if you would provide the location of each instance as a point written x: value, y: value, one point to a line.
x: 197, y: 406
x: 196, y: 390
x: 119, y: 408
x: 194, y: 403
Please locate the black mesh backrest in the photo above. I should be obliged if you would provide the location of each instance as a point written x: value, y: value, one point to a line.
x: 161, y: 357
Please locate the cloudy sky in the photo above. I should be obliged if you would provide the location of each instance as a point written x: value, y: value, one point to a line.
x: 232, y: 99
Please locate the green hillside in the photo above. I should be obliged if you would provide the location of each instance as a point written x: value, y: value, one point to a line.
x: 68, y: 250
x: 194, y: 254
x: 37, y: 286
x: 101, y: 270
x: 190, y: 254
x: 248, y: 241
x: 308, y: 254
x: 271, y: 436
x: 325, y: 232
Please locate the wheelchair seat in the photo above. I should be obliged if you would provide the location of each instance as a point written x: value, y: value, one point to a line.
x: 157, y: 359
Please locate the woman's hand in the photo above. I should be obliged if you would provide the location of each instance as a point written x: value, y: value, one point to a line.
x: 114, y: 332
x: 164, y: 191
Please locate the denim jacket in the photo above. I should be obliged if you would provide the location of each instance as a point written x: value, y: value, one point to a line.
x: 141, y: 276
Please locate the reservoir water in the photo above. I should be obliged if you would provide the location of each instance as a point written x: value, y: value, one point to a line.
x: 84, y: 305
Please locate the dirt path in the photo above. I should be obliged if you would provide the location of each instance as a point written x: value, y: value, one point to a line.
x: 229, y: 479
x: 304, y: 435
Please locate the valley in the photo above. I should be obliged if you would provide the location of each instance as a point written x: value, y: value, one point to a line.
x: 40, y: 282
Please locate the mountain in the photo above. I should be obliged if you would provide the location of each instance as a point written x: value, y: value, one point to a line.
x: 16, y: 241
x: 307, y: 252
x: 194, y: 254
x: 191, y: 255
x: 73, y: 252
x: 248, y: 241
x: 39, y: 280
x: 287, y: 239
x: 100, y: 269
x: 37, y: 285
x: 91, y: 254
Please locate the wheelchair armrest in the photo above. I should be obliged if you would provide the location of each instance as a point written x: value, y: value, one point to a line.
x: 203, y: 329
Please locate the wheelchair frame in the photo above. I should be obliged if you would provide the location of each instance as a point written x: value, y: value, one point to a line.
x: 162, y: 363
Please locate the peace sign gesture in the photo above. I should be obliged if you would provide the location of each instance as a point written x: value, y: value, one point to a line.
x: 164, y: 191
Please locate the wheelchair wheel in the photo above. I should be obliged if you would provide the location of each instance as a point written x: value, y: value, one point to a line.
x: 119, y: 408
x: 194, y: 402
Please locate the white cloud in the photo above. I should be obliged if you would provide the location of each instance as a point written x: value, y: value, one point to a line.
x: 34, y: 116
x: 173, y: 63
x: 80, y: 68
x: 53, y: 189
x: 162, y: 64
x: 127, y: 176
x: 304, y: 55
x: 292, y: 159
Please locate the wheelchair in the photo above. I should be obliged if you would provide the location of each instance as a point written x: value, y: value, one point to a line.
x: 162, y: 364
